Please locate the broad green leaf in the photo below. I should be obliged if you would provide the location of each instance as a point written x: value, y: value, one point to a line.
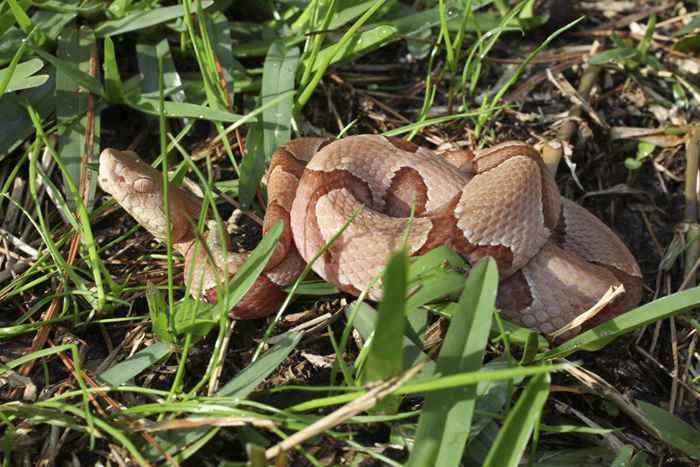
x: 53, y: 23
x: 674, y: 431
x: 445, y: 420
x: 194, y: 317
x: 24, y: 75
x: 510, y: 443
x: 133, y: 366
x: 688, y: 43
x: 10, y: 42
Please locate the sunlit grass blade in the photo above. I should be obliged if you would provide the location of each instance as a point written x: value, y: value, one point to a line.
x: 446, y: 416
x: 510, y: 443
x: 439, y: 383
x: 604, y: 333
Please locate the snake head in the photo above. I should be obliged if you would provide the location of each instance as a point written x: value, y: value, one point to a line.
x: 123, y: 173
x: 138, y: 188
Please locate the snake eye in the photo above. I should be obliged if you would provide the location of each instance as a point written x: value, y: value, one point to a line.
x: 143, y: 185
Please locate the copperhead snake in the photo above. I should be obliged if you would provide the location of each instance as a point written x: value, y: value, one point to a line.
x: 555, y: 259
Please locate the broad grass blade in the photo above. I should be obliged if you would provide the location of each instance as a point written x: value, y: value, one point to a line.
x: 445, y: 420
x: 76, y: 46
x: 519, y: 424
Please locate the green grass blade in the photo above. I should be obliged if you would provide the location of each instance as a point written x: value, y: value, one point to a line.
x: 438, y: 383
x: 278, y: 78
x: 35, y: 355
x: 181, y: 110
x: 604, y: 333
x: 253, y: 165
x: 446, y: 416
x: 252, y: 267
x: 383, y: 362
x: 114, y: 88
x: 220, y: 36
x: 131, y: 367
x: 147, y: 56
x: 248, y: 379
x: 323, y: 63
x: 519, y: 424
x: 275, y: 126
x: 142, y: 19
x: 674, y: 431
x: 72, y: 70
x: 363, y: 43
x: 75, y: 46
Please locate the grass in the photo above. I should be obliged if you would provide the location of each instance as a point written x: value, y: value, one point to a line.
x: 103, y: 359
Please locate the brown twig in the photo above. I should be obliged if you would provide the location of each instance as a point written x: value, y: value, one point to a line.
x: 553, y: 152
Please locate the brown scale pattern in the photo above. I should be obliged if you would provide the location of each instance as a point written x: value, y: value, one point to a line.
x: 555, y: 258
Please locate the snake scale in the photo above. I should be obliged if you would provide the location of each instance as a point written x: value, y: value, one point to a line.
x: 555, y: 259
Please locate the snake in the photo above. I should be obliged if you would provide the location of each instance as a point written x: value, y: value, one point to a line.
x: 555, y: 259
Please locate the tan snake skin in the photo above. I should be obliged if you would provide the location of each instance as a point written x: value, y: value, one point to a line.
x: 555, y: 259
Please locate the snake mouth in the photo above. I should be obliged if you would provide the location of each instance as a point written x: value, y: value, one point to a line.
x: 107, y: 175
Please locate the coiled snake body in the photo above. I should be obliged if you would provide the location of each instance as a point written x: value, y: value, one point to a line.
x: 555, y: 259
